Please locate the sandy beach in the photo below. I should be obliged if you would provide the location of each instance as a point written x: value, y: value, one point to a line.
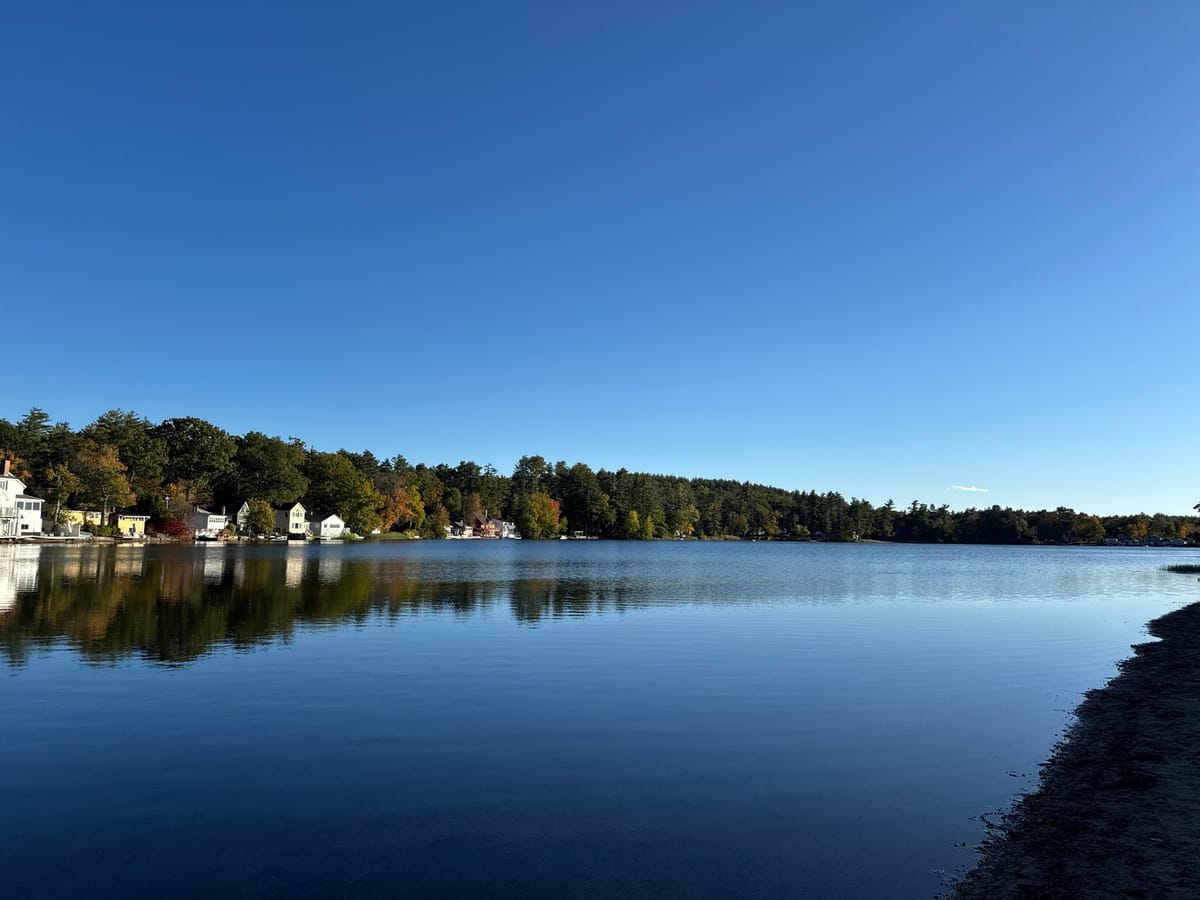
x: 1117, y: 811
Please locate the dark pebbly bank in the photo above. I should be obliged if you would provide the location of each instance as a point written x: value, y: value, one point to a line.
x: 1117, y: 812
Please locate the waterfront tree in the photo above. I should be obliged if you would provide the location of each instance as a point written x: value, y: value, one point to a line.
x: 436, y: 522
x: 265, y: 467
x: 260, y: 517
x: 1089, y: 529
x: 140, y: 449
x: 102, y: 480
x: 60, y: 483
x: 583, y: 502
x: 335, y: 485
x: 366, y: 462
x: 539, y: 517
x: 198, y: 453
x: 401, y: 507
x: 532, y: 474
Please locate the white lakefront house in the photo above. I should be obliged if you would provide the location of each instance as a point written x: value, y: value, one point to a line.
x: 328, y: 528
x: 293, y: 520
x: 208, y: 524
x: 20, y: 513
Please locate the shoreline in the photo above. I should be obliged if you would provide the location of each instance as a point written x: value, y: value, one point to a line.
x: 1117, y: 809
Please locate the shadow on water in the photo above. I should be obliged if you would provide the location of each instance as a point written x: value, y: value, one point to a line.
x: 172, y: 606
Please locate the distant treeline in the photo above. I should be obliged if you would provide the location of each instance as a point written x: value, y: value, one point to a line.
x: 124, y: 461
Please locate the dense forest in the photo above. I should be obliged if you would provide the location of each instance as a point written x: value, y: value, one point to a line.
x: 164, y: 470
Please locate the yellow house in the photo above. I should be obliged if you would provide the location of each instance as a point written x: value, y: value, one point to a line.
x: 83, y: 516
x: 130, y: 526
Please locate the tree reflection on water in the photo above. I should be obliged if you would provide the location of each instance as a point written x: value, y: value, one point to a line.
x: 172, y: 605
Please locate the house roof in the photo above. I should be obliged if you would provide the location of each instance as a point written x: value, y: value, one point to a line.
x: 286, y: 507
x: 10, y: 476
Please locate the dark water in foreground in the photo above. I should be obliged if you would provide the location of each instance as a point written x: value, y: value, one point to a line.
x: 537, y: 719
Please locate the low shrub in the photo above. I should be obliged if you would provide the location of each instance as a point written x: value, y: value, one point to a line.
x: 394, y: 536
x: 173, y: 528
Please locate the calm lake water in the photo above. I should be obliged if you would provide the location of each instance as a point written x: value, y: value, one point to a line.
x: 564, y: 719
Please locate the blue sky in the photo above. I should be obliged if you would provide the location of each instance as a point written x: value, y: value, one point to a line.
x: 885, y: 249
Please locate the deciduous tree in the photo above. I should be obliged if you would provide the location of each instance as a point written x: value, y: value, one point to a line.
x: 401, y: 507
x: 60, y: 484
x: 197, y: 453
x: 260, y: 517
x: 335, y: 485
x: 102, y: 477
x: 540, y: 517
x: 139, y: 448
x: 267, y: 468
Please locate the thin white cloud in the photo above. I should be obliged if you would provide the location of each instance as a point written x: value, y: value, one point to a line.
x: 970, y: 489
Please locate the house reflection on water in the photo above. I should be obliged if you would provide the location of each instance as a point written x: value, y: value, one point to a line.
x: 293, y: 572
x: 130, y: 561
x: 214, y: 565
x: 170, y: 605
x: 18, y: 573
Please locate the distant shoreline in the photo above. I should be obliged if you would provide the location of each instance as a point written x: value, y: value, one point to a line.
x: 1117, y: 812
x: 162, y: 540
